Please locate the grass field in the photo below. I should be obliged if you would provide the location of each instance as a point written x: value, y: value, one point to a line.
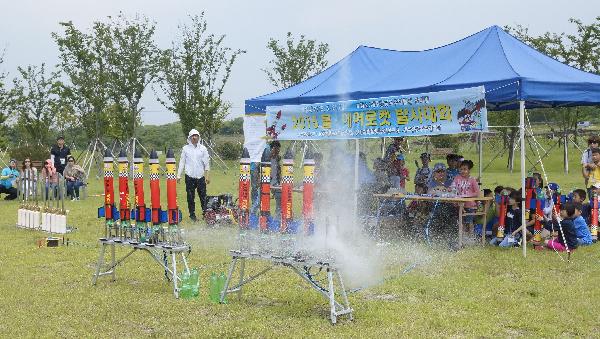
x: 476, y: 292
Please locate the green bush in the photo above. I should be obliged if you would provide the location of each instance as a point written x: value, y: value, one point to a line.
x: 34, y: 152
x: 228, y: 150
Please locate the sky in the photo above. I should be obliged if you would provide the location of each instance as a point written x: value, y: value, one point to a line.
x: 26, y: 25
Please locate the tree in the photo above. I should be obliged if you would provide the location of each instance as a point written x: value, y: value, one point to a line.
x: 36, y: 102
x: 235, y: 126
x: 581, y: 50
x: 4, y: 105
x: 295, y: 62
x: 194, y: 76
x: 132, y: 62
x: 81, y: 60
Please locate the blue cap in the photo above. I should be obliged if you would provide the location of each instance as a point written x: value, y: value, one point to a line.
x: 554, y: 186
x: 400, y: 156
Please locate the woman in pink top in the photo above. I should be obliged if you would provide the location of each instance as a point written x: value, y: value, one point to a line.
x: 466, y: 186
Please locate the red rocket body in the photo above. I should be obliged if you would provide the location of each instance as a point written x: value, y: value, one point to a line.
x: 308, y: 193
x: 124, y: 211
x: 594, y: 216
x: 539, y: 212
x: 109, y: 189
x: 265, y: 190
x: 138, y: 185
x: 172, y: 208
x: 244, y: 190
x: 502, y: 209
x: 287, y: 188
x: 154, y: 187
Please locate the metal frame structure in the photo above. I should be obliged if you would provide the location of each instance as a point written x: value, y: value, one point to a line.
x: 300, y: 266
x: 164, y: 255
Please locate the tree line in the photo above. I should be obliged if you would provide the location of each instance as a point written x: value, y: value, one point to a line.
x: 104, y: 70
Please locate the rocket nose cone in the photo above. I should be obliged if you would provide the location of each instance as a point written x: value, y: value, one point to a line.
x: 137, y: 153
x: 245, y: 153
x: 107, y: 153
x: 170, y: 153
x: 265, y: 155
x: 153, y: 155
x: 122, y: 153
x: 288, y: 154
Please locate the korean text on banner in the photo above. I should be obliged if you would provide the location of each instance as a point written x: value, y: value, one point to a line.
x: 447, y: 112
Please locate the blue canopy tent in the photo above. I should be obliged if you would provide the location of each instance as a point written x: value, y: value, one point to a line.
x: 510, y: 70
x: 513, y: 74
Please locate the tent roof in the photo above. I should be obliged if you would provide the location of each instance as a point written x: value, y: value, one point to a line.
x: 509, y: 69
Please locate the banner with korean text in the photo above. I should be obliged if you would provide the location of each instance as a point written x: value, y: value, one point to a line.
x: 447, y: 112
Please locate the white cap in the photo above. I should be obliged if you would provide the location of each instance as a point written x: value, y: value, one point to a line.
x: 193, y: 131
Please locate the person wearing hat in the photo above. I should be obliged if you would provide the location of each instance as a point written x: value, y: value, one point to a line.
x: 195, y: 161
x: 439, y: 179
x: 59, y: 154
x: 8, y: 179
x: 398, y: 173
x: 587, y: 163
x: 423, y: 174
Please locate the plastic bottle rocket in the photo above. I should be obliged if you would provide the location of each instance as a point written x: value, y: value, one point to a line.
x: 221, y: 286
x: 213, y: 288
x: 109, y: 193
x: 154, y: 166
x: 594, y: 217
x: 172, y: 208
x: 140, y: 203
x: 244, y: 190
x: 556, y: 197
x: 287, y: 188
x: 265, y: 190
x: 308, y: 193
x: 502, y: 209
x: 124, y: 211
x: 539, y: 213
x: 529, y: 194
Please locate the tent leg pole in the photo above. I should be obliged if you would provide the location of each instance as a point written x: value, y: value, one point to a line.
x: 522, y: 138
x: 480, y: 150
x: 357, y: 151
x: 566, y: 145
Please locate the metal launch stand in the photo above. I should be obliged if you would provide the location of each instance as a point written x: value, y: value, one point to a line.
x: 302, y: 267
x: 164, y: 254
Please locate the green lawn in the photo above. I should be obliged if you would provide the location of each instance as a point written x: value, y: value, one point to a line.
x: 476, y: 292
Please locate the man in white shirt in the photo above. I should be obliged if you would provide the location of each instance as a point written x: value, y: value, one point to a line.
x: 195, y: 161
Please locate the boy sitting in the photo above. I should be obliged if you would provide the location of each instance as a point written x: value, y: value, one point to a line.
x: 584, y: 237
x: 579, y: 196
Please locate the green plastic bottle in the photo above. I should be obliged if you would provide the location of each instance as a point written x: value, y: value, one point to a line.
x: 213, y: 288
x: 195, y: 282
x: 221, y: 285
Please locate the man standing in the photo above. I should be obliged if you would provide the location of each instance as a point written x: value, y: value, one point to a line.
x: 7, y: 180
x: 196, y: 163
x: 59, y: 154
